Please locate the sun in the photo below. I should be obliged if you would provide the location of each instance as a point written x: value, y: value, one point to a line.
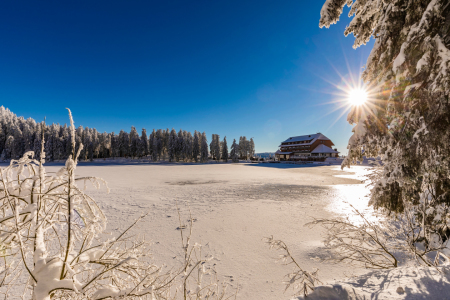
x: 357, y: 96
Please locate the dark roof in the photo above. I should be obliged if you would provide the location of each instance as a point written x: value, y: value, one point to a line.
x: 308, y: 137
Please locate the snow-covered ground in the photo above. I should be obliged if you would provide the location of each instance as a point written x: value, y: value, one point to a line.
x: 235, y: 207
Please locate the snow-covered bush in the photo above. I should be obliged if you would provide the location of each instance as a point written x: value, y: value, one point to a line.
x: 382, y: 243
x: 53, y: 232
x: 301, y: 281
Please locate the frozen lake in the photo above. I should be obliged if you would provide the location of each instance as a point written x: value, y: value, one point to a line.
x: 235, y: 207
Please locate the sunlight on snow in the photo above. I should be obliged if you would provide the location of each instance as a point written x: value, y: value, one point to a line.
x: 352, y: 194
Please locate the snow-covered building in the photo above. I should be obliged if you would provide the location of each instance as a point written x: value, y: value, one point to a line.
x: 304, y: 146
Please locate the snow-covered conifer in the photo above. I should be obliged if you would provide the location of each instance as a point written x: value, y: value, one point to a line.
x: 187, y: 146
x: 405, y: 122
x: 172, y: 146
x: 225, y: 150
x: 251, y: 147
x: 204, y: 148
x: 179, y: 147
x: 144, y: 143
x: 124, y: 144
x: 159, y: 143
x: 234, y: 153
x: 134, y: 142
x: 196, y: 146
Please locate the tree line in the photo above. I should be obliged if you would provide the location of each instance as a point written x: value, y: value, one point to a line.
x: 19, y: 135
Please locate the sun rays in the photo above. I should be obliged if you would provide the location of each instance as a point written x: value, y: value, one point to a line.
x: 357, y: 96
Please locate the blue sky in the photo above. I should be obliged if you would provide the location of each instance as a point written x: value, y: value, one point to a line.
x: 262, y: 69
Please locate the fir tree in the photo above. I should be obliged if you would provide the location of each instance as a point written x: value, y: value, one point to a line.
x: 179, y: 147
x: 196, y: 146
x: 173, y: 141
x: 150, y: 144
x: 134, y: 142
x: 225, y: 150
x: 204, y: 149
x: 234, y: 154
x: 251, y: 147
x: 144, y: 143
x: 406, y: 120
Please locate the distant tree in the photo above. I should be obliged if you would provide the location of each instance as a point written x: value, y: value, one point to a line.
x: 225, y: 150
x: 151, y: 140
x: 134, y: 142
x: 234, y: 154
x: 160, y: 137
x: 144, y: 143
x: 187, y: 146
x: 173, y: 140
x: 124, y: 144
x: 214, y: 147
x: 196, y: 146
x: 251, y: 147
x: 204, y: 148
x: 179, y: 146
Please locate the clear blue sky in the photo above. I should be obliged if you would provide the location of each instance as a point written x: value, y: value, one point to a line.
x: 262, y: 69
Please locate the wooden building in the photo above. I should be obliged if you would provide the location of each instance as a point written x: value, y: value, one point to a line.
x: 306, y: 146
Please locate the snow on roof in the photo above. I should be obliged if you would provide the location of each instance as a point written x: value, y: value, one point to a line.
x: 306, y: 138
x: 281, y: 152
x: 323, y: 149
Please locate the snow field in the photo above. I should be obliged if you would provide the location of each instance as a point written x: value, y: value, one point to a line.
x: 234, y: 206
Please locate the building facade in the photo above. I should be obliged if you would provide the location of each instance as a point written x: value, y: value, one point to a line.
x: 306, y: 146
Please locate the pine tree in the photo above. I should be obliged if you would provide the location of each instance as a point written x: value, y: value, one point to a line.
x: 204, y: 149
x: 144, y: 143
x: 2, y: 138
x: 251, y: 147
x: 196, y: 146
x: 18, y: 147
x: 234, y: 154
x: 150, y: 144
x: 406, y: 120
x: 179, y: 147
x: 225, y: 150
x: 124, y: 144
x: 134, y: 142
x: 37, y: 142
x: 215, y: 150
x: 173, y: 140
x: 160, y: 137
x: 187, y: 146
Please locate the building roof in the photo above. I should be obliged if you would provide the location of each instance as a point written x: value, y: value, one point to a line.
x: 281, y: 152
x: 307, y: 137
x: 323, y: 149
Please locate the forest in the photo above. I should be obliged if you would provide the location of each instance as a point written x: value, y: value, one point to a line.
x: 19, y: 135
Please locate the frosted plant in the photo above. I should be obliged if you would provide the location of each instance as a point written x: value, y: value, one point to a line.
x: 51, y: 231
x: 301, y: 281
x: 382, y: 244
x: 198, y: 279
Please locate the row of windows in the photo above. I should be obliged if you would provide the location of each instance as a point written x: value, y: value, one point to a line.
x: 291, y: 143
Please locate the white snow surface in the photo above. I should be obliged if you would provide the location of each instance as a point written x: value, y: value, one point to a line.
x: 235, y: 206
x: 400, y: 283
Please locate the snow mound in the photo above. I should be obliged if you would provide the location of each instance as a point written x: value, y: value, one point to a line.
x: 400, y: 283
